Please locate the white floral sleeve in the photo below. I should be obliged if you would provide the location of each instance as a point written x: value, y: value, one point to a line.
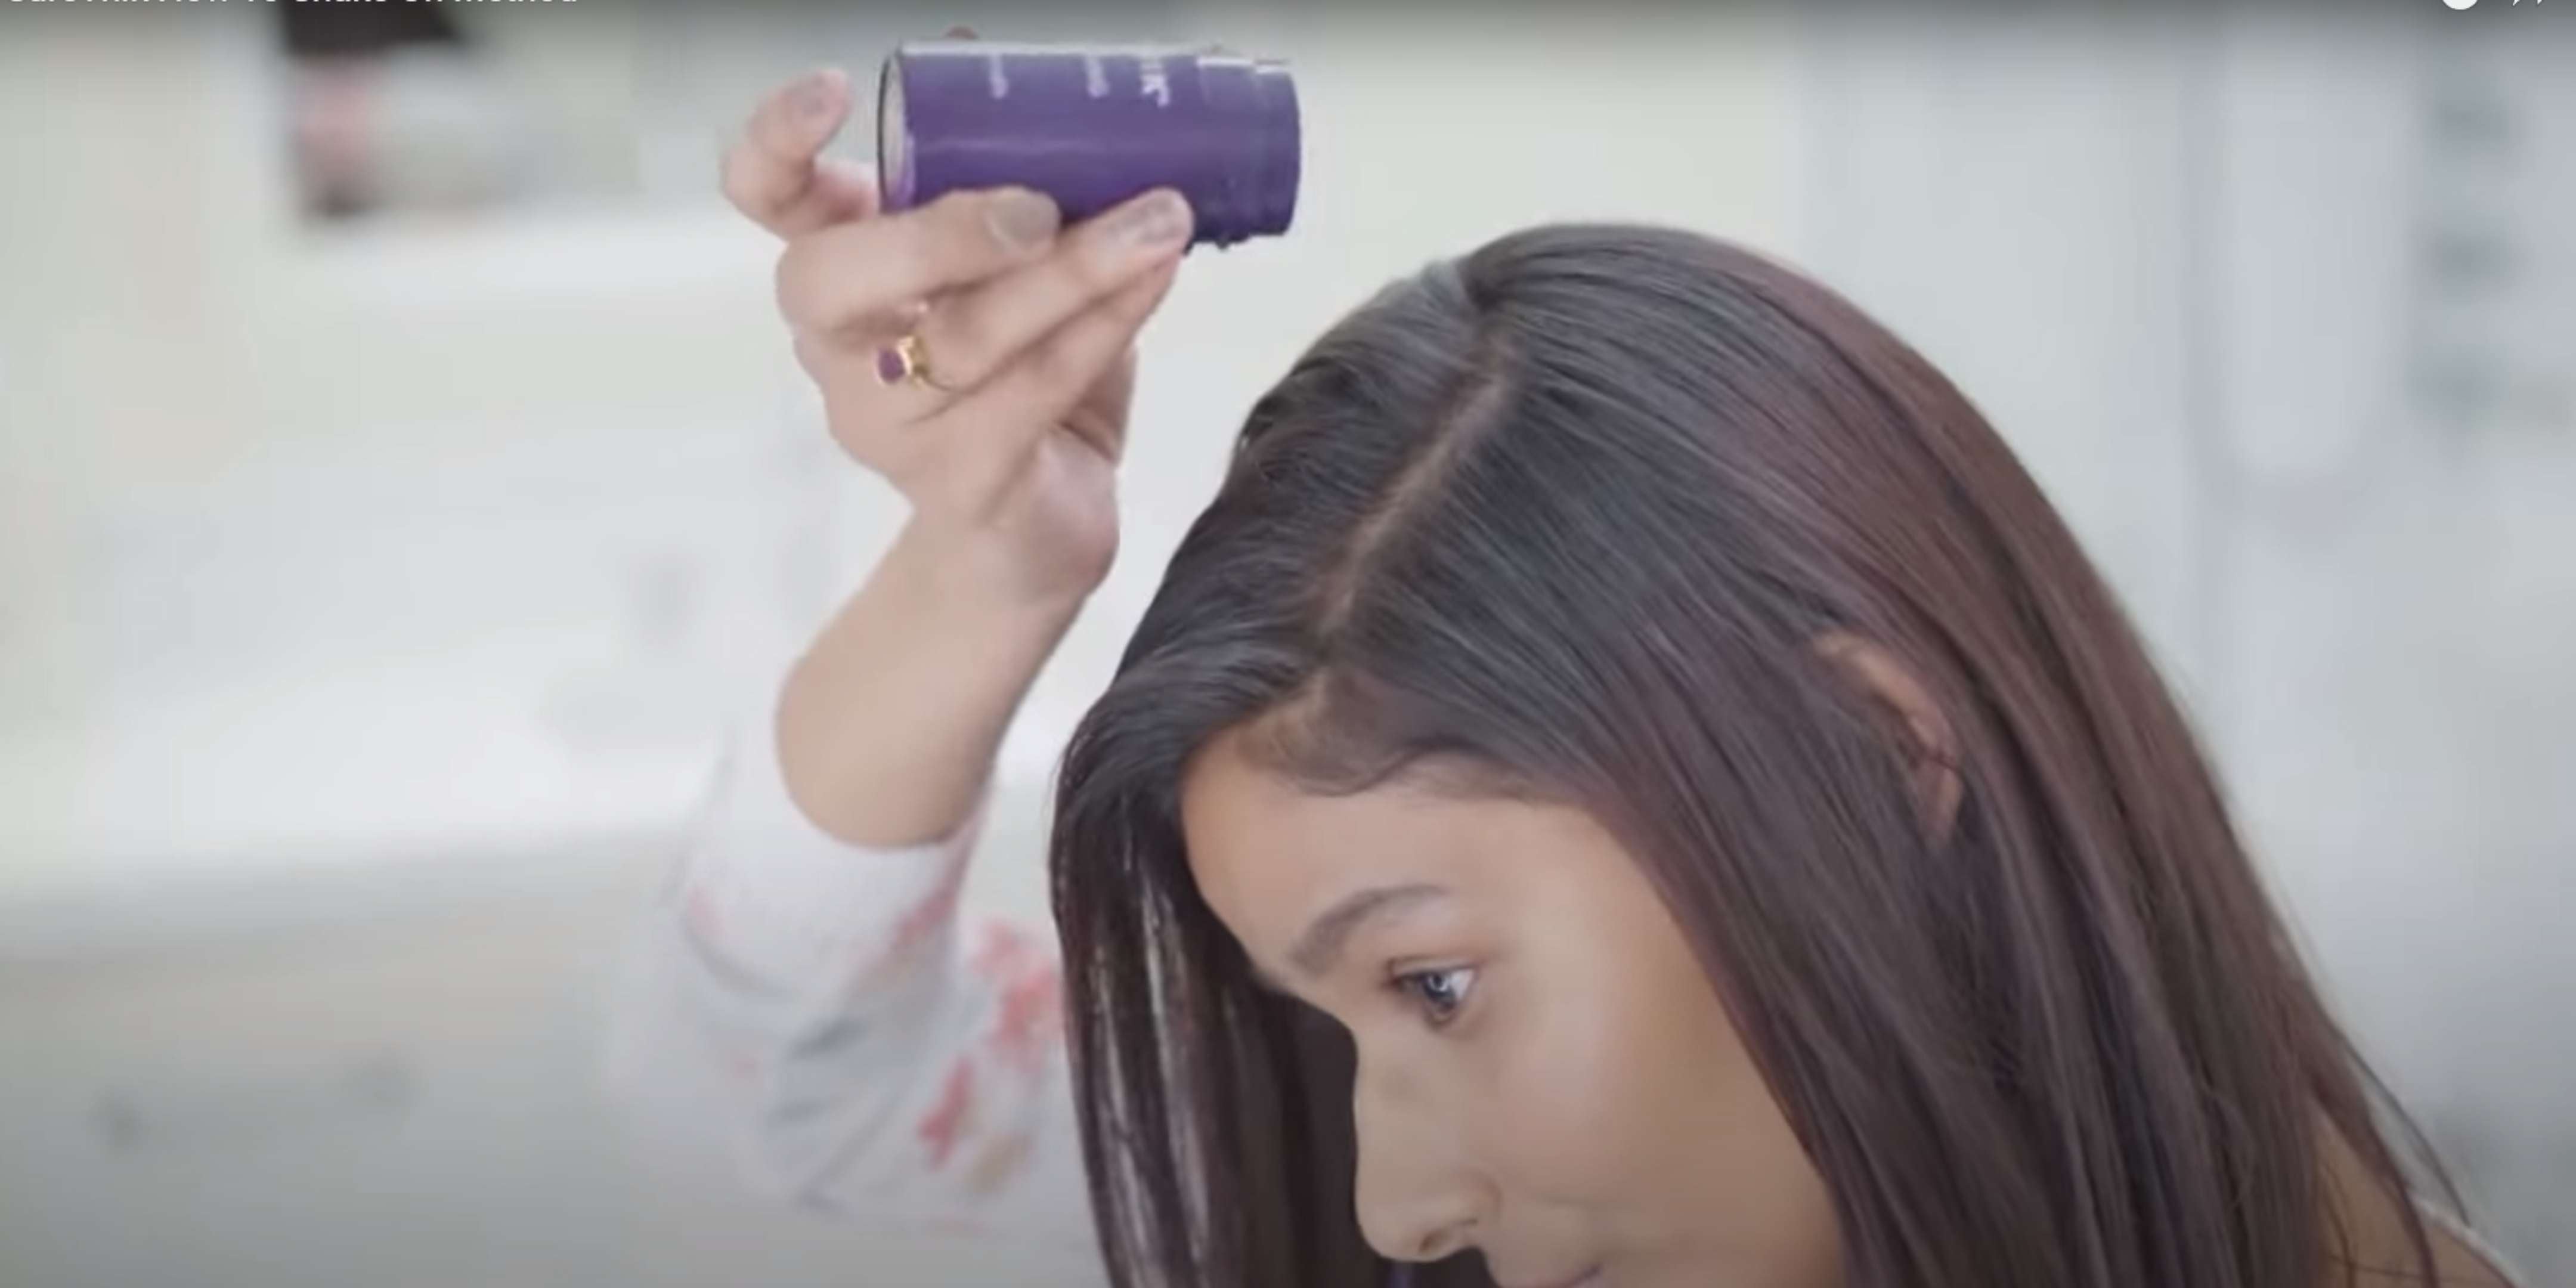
x: 822, y: 1014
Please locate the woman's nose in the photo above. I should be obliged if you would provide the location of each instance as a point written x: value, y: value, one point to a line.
x: 1416, y: 1194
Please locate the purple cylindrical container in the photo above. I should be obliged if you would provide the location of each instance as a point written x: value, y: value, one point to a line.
x: 1092, y: 125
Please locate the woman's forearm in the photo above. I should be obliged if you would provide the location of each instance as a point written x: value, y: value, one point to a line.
x: 888, y: 724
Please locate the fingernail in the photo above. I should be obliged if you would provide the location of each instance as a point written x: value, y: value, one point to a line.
x: 1022, y: 220
x: 1159, y: 220
x: 811, y: 97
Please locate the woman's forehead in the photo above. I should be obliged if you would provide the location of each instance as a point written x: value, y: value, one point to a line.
x: 1259, y: 844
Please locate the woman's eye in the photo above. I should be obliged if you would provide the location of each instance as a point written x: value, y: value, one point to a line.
x: 1439, y: 992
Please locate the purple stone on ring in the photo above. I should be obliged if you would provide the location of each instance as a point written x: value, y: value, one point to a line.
x: 892, y: 366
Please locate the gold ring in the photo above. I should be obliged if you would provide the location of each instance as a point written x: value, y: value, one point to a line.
x: 905, y: 362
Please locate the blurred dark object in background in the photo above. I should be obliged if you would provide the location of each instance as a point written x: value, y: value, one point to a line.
x: 342, y: 31
x: 402, y: 108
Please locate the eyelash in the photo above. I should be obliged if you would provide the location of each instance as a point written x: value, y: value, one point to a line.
x: 1413, y: 985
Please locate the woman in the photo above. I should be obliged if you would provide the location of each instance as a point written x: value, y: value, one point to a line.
x: 1628, y: 783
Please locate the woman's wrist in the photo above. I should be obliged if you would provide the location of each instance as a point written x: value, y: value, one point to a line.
x: 972, y: 575
x: 892, y: 717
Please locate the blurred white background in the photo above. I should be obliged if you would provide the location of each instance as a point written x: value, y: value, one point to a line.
x: 401, y: 473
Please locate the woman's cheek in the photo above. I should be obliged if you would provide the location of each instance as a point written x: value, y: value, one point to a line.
x: 1563, y: 1092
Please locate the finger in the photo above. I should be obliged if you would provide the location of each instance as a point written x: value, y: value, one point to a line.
x: 771, y: 168
x: 850, y: 274
x: 881, y: 424
x: 1043, y: 386
x: 866, y: 382
x: 969, y: 334
x: 976, y: 331
x: 1100, y: 415
x: 841, y: 191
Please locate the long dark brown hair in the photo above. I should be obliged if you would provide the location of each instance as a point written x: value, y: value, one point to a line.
x: 1578, y: 508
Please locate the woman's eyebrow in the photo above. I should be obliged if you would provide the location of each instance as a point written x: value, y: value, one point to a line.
x: 1320, y: 944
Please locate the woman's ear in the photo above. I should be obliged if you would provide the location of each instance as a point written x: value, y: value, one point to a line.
x: 1923, y: 732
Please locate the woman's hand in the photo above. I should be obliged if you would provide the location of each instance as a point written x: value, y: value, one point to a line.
x: 890, y: 720
x: 1009, y: 455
